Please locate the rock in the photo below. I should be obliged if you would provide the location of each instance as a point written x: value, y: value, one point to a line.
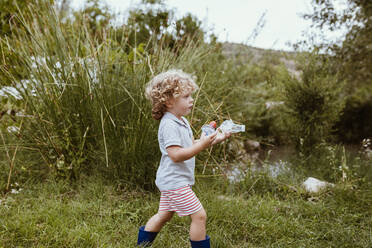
x: 251, y: 145
x: 314, y: 185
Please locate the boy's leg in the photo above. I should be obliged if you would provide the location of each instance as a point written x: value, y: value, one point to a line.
x: 198, y: 225
x: 148, y: 233
x: 156, y: 222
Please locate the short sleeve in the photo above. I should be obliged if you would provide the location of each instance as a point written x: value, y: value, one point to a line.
x: 170, y: 134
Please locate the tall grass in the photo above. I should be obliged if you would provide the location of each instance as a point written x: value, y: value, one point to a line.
x: 85, y: 110
x: 84, y: 97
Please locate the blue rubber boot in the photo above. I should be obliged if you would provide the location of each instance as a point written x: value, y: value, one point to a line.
x: 145, y: 238
x: 202, y: 243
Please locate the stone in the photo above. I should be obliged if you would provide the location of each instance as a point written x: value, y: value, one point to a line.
x: 314, y: 185
x: 251, y: 145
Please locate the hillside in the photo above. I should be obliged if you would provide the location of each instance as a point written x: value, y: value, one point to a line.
x: 248, y: 54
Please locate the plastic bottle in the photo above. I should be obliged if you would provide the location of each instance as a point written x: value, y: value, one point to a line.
x: 210, y: 128
x: 230, y: 126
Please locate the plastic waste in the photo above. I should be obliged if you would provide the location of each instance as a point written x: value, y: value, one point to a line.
x: 230, y: 126
x: 210, y: 128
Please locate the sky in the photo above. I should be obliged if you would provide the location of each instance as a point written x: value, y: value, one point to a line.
x: 235, y: 20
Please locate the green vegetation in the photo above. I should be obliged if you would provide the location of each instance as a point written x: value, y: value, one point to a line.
x: 314, y: 104
x: 352, y: 58
x: 96, y: 213
x: 79, y: 151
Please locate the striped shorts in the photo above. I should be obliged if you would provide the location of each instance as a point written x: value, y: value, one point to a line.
x: 183, y: 201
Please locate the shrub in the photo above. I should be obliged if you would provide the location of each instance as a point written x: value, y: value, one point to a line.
x: 314, y: 103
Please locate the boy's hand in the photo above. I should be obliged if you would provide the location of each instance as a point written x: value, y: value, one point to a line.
x: 207, y: 140
x: 221, y: 136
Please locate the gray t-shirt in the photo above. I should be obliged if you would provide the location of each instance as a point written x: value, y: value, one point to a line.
x: 171, y: 175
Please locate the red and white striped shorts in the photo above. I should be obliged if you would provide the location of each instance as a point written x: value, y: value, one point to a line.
x: 183, y: 201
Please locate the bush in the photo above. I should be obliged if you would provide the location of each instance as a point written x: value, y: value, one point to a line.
x: 314, y: 103
x: 354, y: 123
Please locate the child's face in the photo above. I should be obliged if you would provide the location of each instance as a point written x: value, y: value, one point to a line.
x: 181, y: 105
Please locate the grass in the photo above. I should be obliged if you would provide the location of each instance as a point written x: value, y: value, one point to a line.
x: 89, y: 115
x: 84, y: 97
x: 97, y: 213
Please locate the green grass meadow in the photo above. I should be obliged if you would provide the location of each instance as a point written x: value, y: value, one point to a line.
x: 97, y: 213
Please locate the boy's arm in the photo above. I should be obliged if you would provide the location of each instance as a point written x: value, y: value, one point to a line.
x: 180, y: 154
x: 194, y: 140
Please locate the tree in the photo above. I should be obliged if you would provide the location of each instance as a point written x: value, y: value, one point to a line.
x: 354, y: 54
x: 97, y: 16
x: 352, y: 58
x: 152, y: 19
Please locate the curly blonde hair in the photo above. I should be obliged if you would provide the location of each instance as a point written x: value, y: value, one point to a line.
x: 164, y: 86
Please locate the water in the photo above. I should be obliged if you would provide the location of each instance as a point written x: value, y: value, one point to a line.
x: 273, y: 161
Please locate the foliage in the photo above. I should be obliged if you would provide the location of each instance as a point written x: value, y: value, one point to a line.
x: 352, y: 58
x: 96, y: 16
x: 152, y: 22
x: 353, y: 54
x: 8, y: 10
x: 314, y: 103
x: 9, y: 23
x: 82, y: 116
x: 86, y: 110
x: 261, y: 105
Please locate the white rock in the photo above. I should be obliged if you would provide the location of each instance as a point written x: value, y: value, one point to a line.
x: 251, y: 145
x: 314, y: 185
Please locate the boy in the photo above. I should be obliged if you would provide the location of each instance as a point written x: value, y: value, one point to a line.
x: 170, y: 95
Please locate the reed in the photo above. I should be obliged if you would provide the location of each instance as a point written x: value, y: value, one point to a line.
x: 85, y: 96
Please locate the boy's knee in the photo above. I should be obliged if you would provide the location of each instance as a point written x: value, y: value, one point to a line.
x: 200, y: 216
